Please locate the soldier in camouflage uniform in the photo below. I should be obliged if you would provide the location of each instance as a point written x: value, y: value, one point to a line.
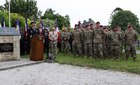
x: 88, y: 35
x: 115, y: 43
x: 82, y: 36
x: 121, y: 42
x: 130, y: 36
x: 76, y: 36
x: 97, y: 41
x: 105, y: 41
x: 65, y: 41
x: 109, y: 32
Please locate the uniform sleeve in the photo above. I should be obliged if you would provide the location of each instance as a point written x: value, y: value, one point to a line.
x: 136, y: 35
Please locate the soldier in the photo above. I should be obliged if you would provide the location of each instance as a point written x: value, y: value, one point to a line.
x: 53, y: 36
x: 121, y: 42
x: 70, y: 39
x: 115, y: 43
x: 105, y: 39
x: 97, y: 41
x: 76, y: 36
x: 65, y: 40
x: 130, y: 36
x: 82, y: 38
x: 88, y: 35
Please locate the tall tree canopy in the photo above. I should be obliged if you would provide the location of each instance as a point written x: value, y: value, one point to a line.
x: 26, y: 8
x: 62, y: 20
x: 122, y: 17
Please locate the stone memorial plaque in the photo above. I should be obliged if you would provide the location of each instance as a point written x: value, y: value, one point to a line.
x: 6, y: 47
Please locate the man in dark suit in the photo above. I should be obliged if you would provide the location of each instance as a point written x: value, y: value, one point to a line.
x: 31, y: 33
x: 46, y: 43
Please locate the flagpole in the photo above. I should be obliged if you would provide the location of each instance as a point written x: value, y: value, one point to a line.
x: 9, y: 14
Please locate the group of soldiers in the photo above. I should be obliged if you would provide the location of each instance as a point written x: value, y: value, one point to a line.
x: 90, y: 42
x: 100, y: 42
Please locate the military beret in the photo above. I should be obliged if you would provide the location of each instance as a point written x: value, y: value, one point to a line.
x: 97, y: 22
x: 32, y: 22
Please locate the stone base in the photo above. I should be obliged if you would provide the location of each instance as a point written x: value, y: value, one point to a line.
x: 15, y: 55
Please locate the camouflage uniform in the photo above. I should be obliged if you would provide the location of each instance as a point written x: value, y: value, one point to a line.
x: 121, y: 42
x: 115, y: 44
x: 105, y: 38
x: 82, y: 40
x: 65, y: 41
x: 130, y: 38
x: 97, y: 42
x: 109, y: 42
x: 88, y: 43
x: 76, y: 36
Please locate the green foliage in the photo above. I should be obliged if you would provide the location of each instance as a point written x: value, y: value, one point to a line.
x: 14, y: 17
x: 122, y: 18
x: 1, y: 8
x: 26, y: 8
x: 62, y: 21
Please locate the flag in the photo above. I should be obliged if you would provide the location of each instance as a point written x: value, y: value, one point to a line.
x: 26, y: 25
x: 56, y: 26
x: 17, y: 25
x: 26, y: 28
x: 47, y: 26
x: 42, y: 23
x: 63, y: 27
x: 2, y: 22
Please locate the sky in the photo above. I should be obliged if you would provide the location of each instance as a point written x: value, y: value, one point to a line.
x: 79, y: 10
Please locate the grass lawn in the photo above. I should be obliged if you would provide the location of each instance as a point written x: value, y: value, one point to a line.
x: 107, y: 64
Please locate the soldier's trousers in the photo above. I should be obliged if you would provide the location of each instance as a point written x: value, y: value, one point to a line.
x: 88, y: 49
x: 130, y: 51
x: 65, y: 46
x: 115, y: 49
x: 104, y: 49
x: 98, y: 49
x: 77, y: 48
x: 53, y: 46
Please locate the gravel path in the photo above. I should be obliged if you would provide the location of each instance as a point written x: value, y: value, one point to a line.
x: 56, y: 74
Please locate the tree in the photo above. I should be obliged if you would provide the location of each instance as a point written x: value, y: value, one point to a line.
x: 62, y: 20
x: 122, y: 18
x: 26, y: 8
x: 1, y: 8
x: 14, y: 17
x: 49, y: 13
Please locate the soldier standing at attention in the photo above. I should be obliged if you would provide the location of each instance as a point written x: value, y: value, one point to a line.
x: 53, y: 36
x: 130, y: 37
x: 88, y: 35
x: 65, y: 41
x: 115, y: 43
x: 97, y: 41
x: 76, y: 36
x: 105, y: 39
x: 70, y: 39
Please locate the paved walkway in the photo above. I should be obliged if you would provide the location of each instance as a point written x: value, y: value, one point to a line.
x: 42, y: 73
x: 14, y: 64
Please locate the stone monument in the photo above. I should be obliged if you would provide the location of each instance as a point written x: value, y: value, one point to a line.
x: 9, y: 44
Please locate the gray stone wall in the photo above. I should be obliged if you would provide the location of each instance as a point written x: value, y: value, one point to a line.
x: 15, y: 55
